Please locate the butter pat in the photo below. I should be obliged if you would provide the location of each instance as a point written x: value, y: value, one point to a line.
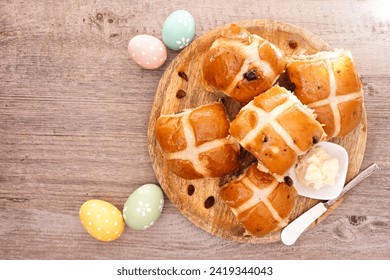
x: 317, y: 169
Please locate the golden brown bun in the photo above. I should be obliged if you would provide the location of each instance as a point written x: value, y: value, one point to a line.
x: 242, y: 65
x: 328, y: 82
x: 259, y: 202
x: 196, y: 144
x: 276, y: 128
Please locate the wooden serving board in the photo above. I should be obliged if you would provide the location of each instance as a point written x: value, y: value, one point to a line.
x: 180, y: 87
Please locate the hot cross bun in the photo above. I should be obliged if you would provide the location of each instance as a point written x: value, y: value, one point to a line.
x: 196, y: 144
x: 242, y: 65
x: 276, y: 128
x: 328, y: 82
x: 260, y: 203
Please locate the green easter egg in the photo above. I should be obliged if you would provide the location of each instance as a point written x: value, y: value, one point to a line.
x: 143, y: 207
x: 178, y: 30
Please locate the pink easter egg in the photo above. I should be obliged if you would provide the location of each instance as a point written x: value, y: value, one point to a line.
x: 148, y: 51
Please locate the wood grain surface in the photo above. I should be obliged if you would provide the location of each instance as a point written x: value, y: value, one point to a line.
x: 74, y: 111
x: 217, y: 218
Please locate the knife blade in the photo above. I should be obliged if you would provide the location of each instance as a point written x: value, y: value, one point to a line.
x: 293, y: 230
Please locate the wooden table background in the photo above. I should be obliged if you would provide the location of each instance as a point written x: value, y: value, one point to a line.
x: 74, y: 111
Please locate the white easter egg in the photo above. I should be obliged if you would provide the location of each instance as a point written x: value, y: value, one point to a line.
x: 143, y: 207
x: 147, y: 51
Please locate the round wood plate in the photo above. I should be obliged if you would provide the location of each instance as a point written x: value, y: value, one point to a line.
x: 199, y: 199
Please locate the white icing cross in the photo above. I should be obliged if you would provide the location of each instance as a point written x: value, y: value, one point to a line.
x: 251, y: 52
x: 259, y: 195
x: 191, y: 152
x: 264, y: 118
x: 334, y: 100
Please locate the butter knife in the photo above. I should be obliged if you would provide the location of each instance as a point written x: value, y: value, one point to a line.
x: 293, y: 230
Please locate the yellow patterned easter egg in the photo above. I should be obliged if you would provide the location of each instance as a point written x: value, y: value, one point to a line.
x: 101, y: 220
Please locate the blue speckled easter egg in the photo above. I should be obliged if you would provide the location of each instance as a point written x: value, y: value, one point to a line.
x: 178, y: 30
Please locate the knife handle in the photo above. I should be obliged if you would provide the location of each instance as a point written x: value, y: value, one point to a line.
x: 292, y: 231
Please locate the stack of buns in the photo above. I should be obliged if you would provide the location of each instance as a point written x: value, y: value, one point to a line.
x: 274, y: 125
